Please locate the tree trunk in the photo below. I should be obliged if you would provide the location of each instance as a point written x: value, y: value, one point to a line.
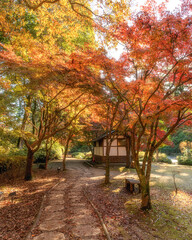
x: 66, y: 150
x: 145, y: 193
x: 107, y: 170
x: 28, y: 170
x: 65, y: 155
x: 128, y: 152
x: 20, y: 139
x: 20, y: 143
x: 145, y: 188
x: 91, y: 148
x: 107, y: 163
x: 46, y: 160
x: 157, y: 155
x: 48, y: 152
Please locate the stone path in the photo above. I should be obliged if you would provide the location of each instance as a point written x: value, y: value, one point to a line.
x: 66, y: 213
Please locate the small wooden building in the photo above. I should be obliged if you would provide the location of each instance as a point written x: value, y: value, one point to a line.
x: 119, y: 151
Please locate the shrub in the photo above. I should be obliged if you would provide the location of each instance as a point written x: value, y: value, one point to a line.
x: 81, y: 155
x: 11, y: 162
x: 185, y: 159
x: 42, y: 166
x: 40, y: 155
x: 78, y: 155
x: 162, y: 157
x: 141, y: 155
x: 88, y: 155
x: 79, y: 147
x: 18, y: 152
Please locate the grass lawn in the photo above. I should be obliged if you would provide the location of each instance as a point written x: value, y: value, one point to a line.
x: 171, y: 216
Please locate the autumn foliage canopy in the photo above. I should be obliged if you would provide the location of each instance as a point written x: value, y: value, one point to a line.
x: 149, y: 88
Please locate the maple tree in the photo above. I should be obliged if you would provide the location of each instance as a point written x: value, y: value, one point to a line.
x: 30, y: 51
x: 154, y: 82
x: 67, y: 142
x: 54, y: 115
x: 73, y: 131
x: 150, y: 84
x: 98, y: 11
x: 54, y: 26
x: 111, y: 121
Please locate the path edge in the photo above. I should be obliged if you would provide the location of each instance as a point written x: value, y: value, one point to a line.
x: 40, y: 209
x: 98, y: 214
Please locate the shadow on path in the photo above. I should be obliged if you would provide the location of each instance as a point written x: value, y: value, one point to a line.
x: 66, y: 213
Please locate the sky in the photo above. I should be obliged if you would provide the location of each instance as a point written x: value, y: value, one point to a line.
x: 172, y: 4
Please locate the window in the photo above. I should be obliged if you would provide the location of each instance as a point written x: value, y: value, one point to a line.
x: 121, y: 142
x: 101, y: 143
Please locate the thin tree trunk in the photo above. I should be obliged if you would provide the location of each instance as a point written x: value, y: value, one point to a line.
x: 107, y: 168
x: 145, y: 193
x: 107, y: 163
x: 157, y: 155
x: 66, y: 149
x: 144, y: 177
x: 20, y: 143
x: 128, y: 152
x: 28, y: 170
x: 20, y: 139
x: 145, y: 188
x: 65, y: 154
x: 91, y: 150
x: 33, y: 115
x: 48, y: 152
x: 46, y: 160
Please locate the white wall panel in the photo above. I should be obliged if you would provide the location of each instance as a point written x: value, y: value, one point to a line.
x: 96, y: 150
x: 122, y: 151
x: 113, y: 151
x: 100, y: 151
x: 114, y: 143
x: 104, y: 153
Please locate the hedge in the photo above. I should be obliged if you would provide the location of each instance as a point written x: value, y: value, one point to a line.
x: 185, y: 160
x: 162, y: 157
x: 11, y: 162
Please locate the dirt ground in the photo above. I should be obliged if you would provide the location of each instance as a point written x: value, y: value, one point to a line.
x: 170, y: 217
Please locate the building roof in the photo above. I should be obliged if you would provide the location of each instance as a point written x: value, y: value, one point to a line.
x: 102, y: 136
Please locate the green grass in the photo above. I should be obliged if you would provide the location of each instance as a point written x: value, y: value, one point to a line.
x: 164, y: 220
x: 171, y: 215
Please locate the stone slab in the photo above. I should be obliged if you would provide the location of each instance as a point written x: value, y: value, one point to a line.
x: 57, y: 202
x: 51, y: 225
x: 54, y: 208
x: 91, y: 238
x: 55, y: 215
x: 84, y: 211
x: 50, y: 236
x: 55, y: 196
x: 78, y: 204
x: 72, y: 200
x: 83, y: 220
x: 86, y: 231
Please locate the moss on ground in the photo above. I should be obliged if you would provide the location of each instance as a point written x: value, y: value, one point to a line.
x: 165, y: 220
x: 171, y: 215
